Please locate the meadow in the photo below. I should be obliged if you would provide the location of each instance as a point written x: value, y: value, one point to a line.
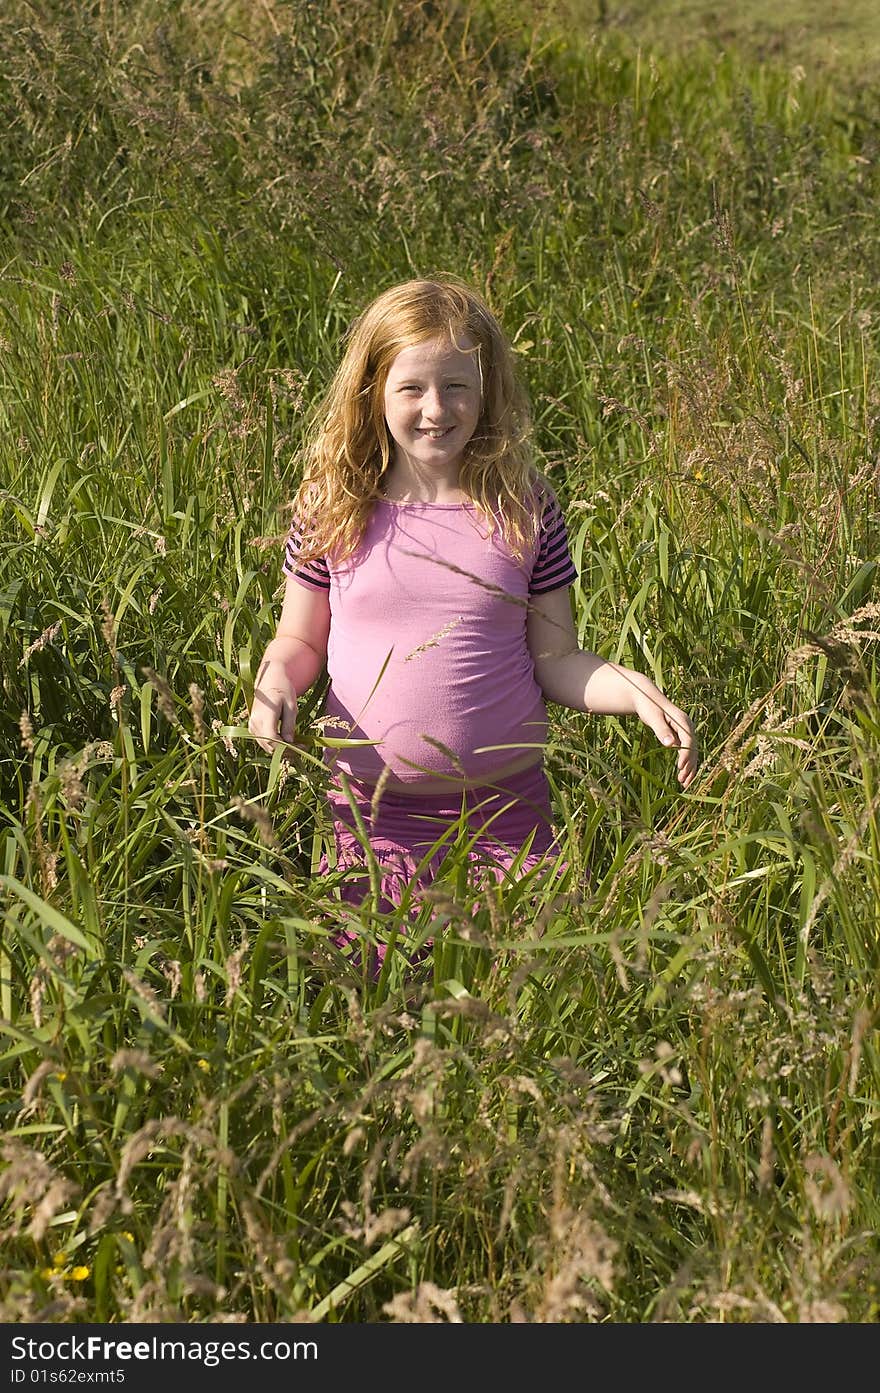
x: 646, y: 1093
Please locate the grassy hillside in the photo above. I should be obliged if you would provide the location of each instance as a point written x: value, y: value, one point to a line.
x: 838, y: 42
x: 649, y: 1093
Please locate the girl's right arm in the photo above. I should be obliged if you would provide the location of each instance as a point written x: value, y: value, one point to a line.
x: 293, y: 659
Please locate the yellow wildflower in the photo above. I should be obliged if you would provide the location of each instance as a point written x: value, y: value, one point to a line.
x: 79, y: 1274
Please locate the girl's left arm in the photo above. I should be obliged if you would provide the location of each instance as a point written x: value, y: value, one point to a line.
x: 571, y: 676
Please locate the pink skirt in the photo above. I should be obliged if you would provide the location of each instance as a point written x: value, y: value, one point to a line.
x: 410, y: 835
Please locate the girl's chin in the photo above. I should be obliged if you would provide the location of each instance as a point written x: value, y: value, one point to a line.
x: 446, y: 446
x: 431, y: 455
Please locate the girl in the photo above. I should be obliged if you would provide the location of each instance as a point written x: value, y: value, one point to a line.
x: 428, y: 565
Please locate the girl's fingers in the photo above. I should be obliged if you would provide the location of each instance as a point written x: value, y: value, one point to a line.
x: 673, y: 728
x: 662, y: 727
x: 265, y: 718
x: 685, y: 739
x: 688, y: 760
x: 673, y: 732
x: 271, y: 743
x: 264, y: 744
x: 288, y: 723
x: 270, y: 746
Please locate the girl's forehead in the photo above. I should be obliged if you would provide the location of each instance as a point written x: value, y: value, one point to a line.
x: 436, y: 353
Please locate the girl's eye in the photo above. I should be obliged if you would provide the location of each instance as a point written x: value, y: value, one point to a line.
x: 453, y: 386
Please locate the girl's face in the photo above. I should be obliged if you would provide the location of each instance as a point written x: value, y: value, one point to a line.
x: 432, y: 403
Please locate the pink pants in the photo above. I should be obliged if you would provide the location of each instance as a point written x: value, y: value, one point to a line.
x: 496, y: 820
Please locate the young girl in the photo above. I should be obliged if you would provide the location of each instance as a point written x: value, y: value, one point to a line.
x: 428, y: 565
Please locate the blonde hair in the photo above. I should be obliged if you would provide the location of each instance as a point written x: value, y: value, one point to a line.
x: 348, y: 449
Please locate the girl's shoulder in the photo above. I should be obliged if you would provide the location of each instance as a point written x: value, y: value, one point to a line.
x: 542, y: 497
x: 308, y: 515
x: 306, y: 502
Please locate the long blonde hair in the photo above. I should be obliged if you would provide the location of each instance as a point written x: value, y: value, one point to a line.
x: 348, y: 448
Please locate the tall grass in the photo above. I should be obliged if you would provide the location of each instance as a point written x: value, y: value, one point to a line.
x: 647, y: 1091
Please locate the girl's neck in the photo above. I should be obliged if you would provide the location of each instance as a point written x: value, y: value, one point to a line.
x: 392, y: 495
x: 409, y: 486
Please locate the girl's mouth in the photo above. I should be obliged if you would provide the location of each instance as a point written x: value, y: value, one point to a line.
x: 436, y: 434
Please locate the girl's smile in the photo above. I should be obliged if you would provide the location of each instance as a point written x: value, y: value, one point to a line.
x: 432, y: 402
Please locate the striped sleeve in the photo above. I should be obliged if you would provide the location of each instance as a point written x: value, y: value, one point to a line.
x: 553, y: 566
x: 315, y: 573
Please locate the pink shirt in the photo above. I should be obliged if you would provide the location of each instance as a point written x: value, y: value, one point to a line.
x: 427, y: 654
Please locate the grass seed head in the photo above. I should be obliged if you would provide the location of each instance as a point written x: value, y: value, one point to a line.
x: 164, y: 695
x: 40, y: 643
x: 254, y: 813
x: 108, y: 626
x: 197, y: 707
x: 27, y: 732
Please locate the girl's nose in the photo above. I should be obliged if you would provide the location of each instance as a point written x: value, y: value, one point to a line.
x: 432, y: 404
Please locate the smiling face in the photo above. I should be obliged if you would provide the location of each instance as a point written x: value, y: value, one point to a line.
x: 432, y: 401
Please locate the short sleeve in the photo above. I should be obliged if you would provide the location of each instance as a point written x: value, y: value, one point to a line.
x: 553, y: 566
x: 314, y: 573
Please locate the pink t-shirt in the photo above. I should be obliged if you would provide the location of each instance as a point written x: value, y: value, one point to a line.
x: 427, y: 654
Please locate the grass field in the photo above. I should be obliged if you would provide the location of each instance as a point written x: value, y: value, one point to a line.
x: 840, y: 42
x: 651, y: 1095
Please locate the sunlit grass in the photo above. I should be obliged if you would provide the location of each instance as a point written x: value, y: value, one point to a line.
x: 643, y: 1090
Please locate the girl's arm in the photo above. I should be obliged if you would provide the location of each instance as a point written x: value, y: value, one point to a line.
x: 572, y: 677
x: 292, y: 661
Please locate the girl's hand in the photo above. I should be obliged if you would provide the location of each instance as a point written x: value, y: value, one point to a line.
x: 672, y: 728
x: 274, y: 705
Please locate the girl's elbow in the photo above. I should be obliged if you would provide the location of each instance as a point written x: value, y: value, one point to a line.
x: 539, y: 676
x: 546, y: 676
